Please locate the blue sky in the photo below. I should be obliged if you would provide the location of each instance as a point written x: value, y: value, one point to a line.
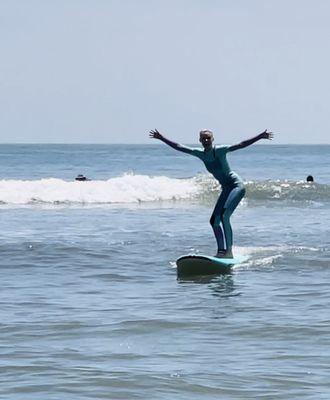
x: 109, y: 71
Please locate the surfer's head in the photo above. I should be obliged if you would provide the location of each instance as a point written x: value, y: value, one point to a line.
x: 206, y: 138
x: 81, y: 177
x: 310, y: 178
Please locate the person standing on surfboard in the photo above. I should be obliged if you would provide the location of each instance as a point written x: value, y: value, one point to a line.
x: 215, y: 160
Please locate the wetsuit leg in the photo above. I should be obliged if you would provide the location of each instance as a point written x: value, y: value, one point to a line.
x: 235, y: 196
x: 216, y: 220
x: 220, y: 219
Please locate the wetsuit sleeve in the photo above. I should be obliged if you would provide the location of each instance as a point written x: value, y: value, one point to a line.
x: 197, y: 153
x: 221, y: 150
x: 191, y: 151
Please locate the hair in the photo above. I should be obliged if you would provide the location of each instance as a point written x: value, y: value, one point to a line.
x: 310, y: 178
x: 206, y: 131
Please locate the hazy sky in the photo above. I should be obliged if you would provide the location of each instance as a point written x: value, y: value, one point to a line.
x: 108, y: 71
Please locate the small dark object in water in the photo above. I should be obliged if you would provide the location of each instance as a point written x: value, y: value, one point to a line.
x: 81, y: 177
x: 310, y: 178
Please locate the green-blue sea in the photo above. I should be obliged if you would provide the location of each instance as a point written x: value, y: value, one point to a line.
x: 90, y: 304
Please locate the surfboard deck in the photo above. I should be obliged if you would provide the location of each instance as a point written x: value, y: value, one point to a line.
x: 199, y: 264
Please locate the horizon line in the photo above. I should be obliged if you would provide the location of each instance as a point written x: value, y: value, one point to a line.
x: 143, y: 144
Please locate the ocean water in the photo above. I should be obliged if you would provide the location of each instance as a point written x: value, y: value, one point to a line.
x: 91, y: 307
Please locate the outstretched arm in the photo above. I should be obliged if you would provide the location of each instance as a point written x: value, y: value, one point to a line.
x: 248, y: 142
x: 154, y: 134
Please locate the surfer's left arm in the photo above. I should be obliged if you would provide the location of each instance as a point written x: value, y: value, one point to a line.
x: 248, y: 142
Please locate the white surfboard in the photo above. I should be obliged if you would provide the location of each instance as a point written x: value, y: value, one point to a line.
x: 199, y: 264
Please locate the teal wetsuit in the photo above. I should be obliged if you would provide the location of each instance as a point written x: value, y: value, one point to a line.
x: 233, y: 191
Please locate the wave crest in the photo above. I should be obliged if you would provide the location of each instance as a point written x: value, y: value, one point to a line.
x: 123, y: 189
x: 300, y: 191
x: 131, y: 188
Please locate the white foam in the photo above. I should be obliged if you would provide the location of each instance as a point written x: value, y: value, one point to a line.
x: 123, y: 189
x: 130, y: 188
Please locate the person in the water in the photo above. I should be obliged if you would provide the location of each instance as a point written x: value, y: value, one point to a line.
x: 215, y: 160
x: 81, y: 178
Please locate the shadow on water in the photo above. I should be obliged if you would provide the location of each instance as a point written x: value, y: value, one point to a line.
x: 221, y: 285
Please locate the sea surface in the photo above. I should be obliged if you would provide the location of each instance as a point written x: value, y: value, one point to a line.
x: 90, y: 305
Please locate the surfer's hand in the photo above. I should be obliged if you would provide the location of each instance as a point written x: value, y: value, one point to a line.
x: 154, y: 134
x: 266, y: 135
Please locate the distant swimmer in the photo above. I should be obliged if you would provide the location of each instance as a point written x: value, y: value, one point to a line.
x: 310, y: 178
x: 81, y: 178
x: 215, y: 160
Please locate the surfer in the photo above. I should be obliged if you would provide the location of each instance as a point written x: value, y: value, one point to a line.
x: 215, y: 160
x: 81, y: 178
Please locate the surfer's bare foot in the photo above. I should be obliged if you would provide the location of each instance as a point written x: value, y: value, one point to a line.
x: 228, y: 254
x: 225, y: 254
x: 220, y: 254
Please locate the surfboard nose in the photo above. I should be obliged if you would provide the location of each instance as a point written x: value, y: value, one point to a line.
x: 189, y: 265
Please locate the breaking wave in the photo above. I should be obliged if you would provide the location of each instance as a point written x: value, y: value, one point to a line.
x: 131, y: 188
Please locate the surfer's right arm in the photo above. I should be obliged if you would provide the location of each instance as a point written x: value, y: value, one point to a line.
x: 155, y: 134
